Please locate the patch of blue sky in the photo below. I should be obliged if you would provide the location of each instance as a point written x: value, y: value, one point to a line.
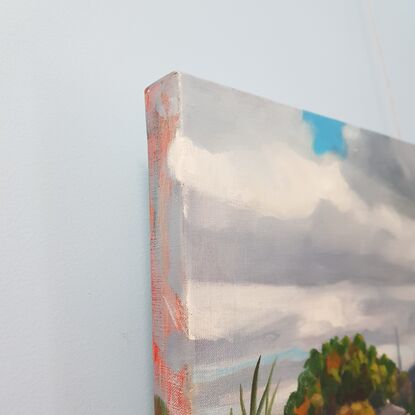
x: 327, y: 134
x: 208, y: 374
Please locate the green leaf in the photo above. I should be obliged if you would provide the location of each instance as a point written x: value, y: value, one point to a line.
x: 266, y: 404
x: 266, y: 391
x: 272, y: 399
x: 241, y: 400
x: 254, y: 388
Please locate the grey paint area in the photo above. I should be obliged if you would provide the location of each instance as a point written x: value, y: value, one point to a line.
x: 381, y: 168
x: 317, y: 250
x: 175, y: 223
x: 222, y: 119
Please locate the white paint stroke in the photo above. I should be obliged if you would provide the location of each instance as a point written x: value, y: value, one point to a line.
x: 222, y: 310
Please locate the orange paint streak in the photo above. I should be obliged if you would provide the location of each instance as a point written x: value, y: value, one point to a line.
x: 169, y: 313
x: 303, y: 408
x: 333, y: 361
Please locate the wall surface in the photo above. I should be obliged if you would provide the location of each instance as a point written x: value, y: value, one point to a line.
x: 74, y: 269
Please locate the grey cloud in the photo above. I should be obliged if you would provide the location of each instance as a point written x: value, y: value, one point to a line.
x: 382, y: 171
x: 328, y: 247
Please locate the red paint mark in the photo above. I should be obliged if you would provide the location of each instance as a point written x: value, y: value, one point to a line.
x: 169, y: 313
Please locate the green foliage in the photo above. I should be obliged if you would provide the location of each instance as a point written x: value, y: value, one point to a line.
x: 267, y: 400
x: 160, y: 407
x: 343, y: 372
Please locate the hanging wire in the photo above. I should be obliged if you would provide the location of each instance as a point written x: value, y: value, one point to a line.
x: 375, y: 34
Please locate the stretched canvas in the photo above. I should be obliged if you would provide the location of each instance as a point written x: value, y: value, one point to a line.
x: 282, y: 258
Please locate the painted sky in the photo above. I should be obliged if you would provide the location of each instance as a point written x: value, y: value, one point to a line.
x: 296, y: 228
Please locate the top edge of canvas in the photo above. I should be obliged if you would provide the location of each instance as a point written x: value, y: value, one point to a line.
x: 182, y: 76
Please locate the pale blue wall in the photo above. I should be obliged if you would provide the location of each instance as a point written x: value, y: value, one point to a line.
x: 74, y: 286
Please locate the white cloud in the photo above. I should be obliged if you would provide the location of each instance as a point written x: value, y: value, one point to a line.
x: 219, y: 310
x: 276, y: 180
x: 272, y: 180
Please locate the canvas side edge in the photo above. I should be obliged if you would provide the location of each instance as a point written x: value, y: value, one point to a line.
x: 170, y: 319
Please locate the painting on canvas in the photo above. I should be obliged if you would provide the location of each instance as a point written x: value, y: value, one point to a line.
x: 282, y: 255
